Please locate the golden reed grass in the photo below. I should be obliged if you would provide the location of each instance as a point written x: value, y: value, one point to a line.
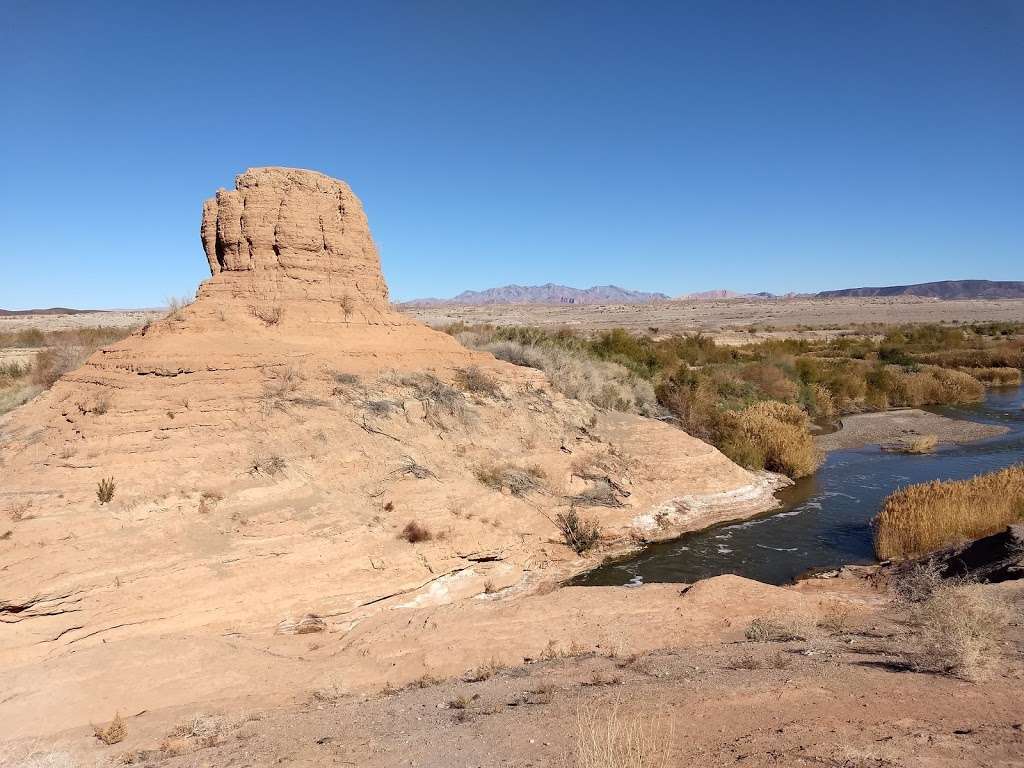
x: 924, y: 518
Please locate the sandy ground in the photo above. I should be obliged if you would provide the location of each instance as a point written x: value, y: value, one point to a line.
x: 864, y: 429
x: 115, y: 318
x: 843, y: 698
x: 719, y: 316
x: 724, y: 317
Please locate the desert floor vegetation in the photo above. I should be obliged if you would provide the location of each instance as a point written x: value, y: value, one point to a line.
x: 927, y: 517
x: 45, y: 357
x: 953, y: 627
x: 612, y: 737
x: 717, y: 392
x: 579, y: 534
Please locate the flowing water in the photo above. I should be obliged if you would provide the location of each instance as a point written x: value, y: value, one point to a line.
x: 825, y: 519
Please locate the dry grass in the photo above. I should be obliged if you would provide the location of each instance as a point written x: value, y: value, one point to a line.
x: 578, y: 534
x: 483, y: 672
x: 473, y: 379
x: 778, y: 432
x: 995, y: 377
x: 599, y: 382
x: 442, y: 404
x: 519, y: 481
x: 777, y: 629
x: 612, y: 737
x: 18, y: 511
x: 280, y: 387
x: 960, y: 628
x: 414, y: 532
x: 105, y: 490
x: 114, y: 732
x: 267, y: 463
x: 600, y: 494
x: 268, y: 314
x: 924, y: 518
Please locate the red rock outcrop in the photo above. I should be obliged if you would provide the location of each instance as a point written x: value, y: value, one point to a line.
x: 269, y: 443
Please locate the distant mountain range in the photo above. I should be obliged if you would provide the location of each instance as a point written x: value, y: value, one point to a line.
x: 944, y: 289
x: 549, y: 293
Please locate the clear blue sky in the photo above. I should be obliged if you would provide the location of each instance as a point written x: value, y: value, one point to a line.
x: 675, y: 146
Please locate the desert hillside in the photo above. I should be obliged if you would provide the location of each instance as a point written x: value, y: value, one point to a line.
x: 287, y: 455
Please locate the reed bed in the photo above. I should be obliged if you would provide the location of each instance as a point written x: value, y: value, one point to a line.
x: 995, y: 377
x: 927, y: 517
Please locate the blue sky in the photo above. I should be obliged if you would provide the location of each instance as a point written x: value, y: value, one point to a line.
x: 677, y: 147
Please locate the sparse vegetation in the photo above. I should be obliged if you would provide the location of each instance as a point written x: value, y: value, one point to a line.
x: 280, y: 386
x: 578, y: 534
x: 442, y: 403
x: 267, y: 463
x: 610, y: 737
x: 776, y: 629
x: 473, y: 379
x: 958, y: 630
x: 105, y: 490
x: 268, y: 314
x: 707, y: 389
x: 483, y: 672
x: 518, y: 481
x: 601, y: 493
x: 924, y: 518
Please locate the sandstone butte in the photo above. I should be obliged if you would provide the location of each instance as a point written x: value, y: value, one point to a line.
x: 268, y: 444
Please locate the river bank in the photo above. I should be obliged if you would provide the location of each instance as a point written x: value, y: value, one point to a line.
x: 824, y: 520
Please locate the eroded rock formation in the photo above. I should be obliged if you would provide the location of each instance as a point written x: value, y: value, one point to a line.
x: 269, y: 444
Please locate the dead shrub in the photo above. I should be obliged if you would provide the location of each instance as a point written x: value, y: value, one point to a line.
x: 114, y: 732
x: 266, y: 463
x: 414, y: 532
x: 917, y: 583
x: 18, y: 510
x: 268, y: 314
x: 927, y: 517
x: 776, y: 629
x: 578, y: 534
x: 105, y: 490
x: 518, y: 481
x: 280, y: 386
x: 777, y: 660
x: 483, y: 672
x: 959, y: 631
x: 600, y: 494
x: 441, y: 403
x: 473, y: 379
x: 411, y: 467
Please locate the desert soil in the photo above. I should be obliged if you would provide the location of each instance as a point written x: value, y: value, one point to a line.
x: 723, y: 318
x: 844, y: 697
x: 863, y: 429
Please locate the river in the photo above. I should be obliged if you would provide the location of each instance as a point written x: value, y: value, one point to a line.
x: 825, y: 519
